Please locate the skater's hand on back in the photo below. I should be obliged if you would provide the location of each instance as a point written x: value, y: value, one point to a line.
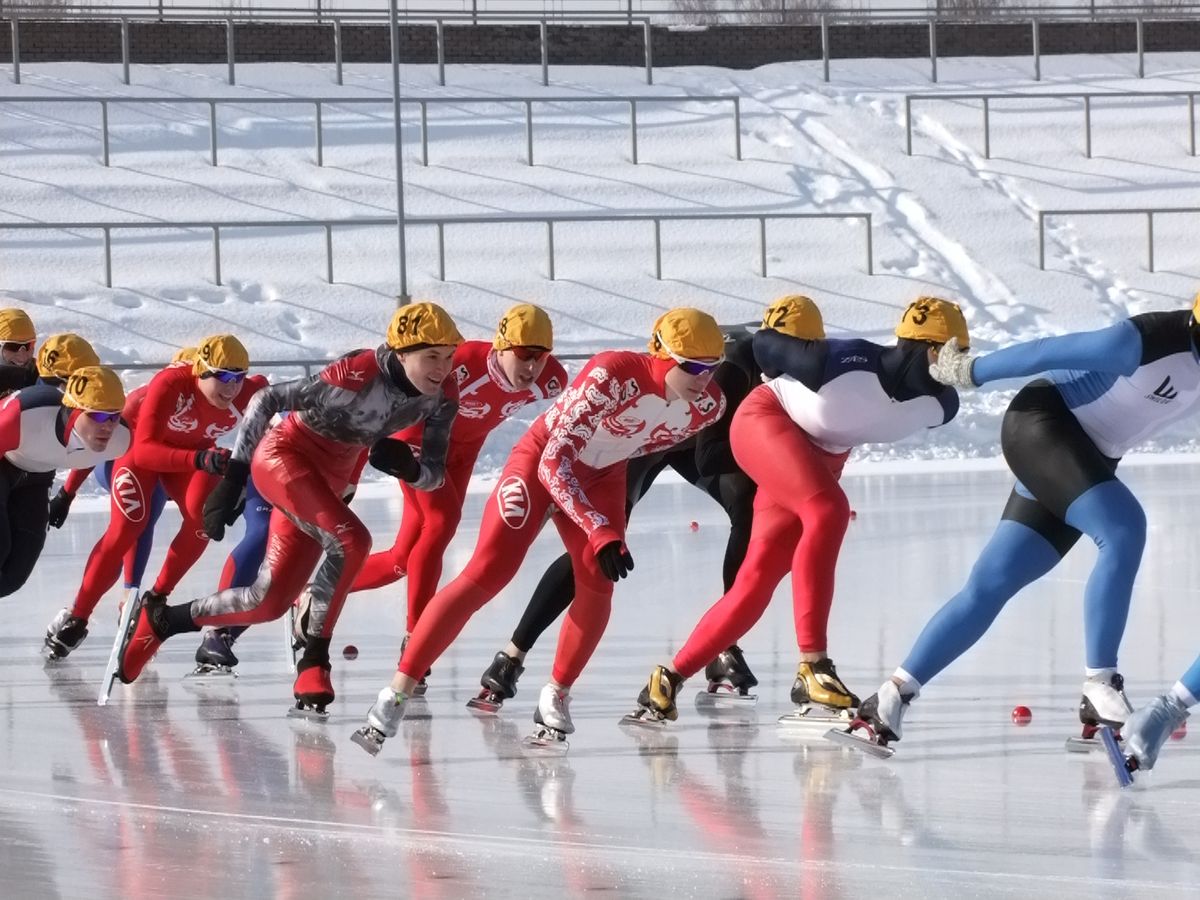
x: 60, y: 505
x: 615, y: 560
x: 953, y: 366
x: 394, y: 457
x: 227, y: 499
x: 213, y: 461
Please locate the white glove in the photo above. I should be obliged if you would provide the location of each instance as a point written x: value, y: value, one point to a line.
x: 953, y: 366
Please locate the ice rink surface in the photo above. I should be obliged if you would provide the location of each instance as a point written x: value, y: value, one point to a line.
x: 169, y: 792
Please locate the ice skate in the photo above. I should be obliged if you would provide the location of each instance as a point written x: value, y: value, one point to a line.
x: 383, y: 721
x: 136, y: 642
x: 63, y: 634
x: 1146, y: 731
x: 313, y: 690
x: 729, y: 680
x: 552, y: 719
x: 656, y: 702
x: 1103, y: 703
x: 215, y: 660
x: 877, y: 723
x: 820, y: 696
x: 498, y: 683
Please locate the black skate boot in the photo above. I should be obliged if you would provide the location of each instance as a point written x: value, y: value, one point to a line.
x: 313, y: 689
x: 729, y: 677
x: 498, y: 683
x: 63, y: 635
x: 656, y: 702
x: 214, y: 656
x: 877, y: 723
x: 1103, y: 702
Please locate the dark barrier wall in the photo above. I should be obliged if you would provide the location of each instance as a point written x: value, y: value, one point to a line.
x: 729, y: 46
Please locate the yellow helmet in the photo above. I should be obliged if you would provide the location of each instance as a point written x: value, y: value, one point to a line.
x: 687, y: 333
x: 422, y: 324
x: 525, y: 325
x: 62, y: 354
x: 796, y: 316
x: 94, y: 388
x: 15, y: 325
x: 221, y: 351
x: 934, y: 319
x: 186, y: 354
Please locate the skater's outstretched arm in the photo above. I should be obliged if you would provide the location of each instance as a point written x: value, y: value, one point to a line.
x: 1117, y: 350
x: 435, y: 441
x: 780, y: 354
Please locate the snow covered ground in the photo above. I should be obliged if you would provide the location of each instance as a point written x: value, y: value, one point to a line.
x: 947, y: 220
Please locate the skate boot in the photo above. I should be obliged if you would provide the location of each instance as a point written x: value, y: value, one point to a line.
x: 820, y: 696
x: 552, y: 719
x: 498, y: 683
x: 879, y: 719
x: 729, y: 677
x: 214, y: 656
x: 656, y: 702
x: 1148, y: 729
x: 63, y: 634
x: 147, y: 630
x: 383, y: 721
x: 1103, y: 703
x: 313, y: 690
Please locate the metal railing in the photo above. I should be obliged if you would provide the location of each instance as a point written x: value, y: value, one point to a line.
x: 441, y: 223
x: 423, y: 102
x: 1148, y: 213
x: 1087, y: 96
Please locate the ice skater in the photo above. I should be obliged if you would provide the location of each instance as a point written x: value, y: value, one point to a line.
x: 302, y: 467
x: 1062, y: 436
x: 18, y: 337
x: 792, y: 436
x: 571, y: 463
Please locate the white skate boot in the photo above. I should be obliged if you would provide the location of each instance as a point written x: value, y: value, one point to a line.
x: 63, y: 634
x: 383, y: 721
x: 879, y: 718
x: 1103, y: 703
x: 553, y: 720
x: 1145, y: 733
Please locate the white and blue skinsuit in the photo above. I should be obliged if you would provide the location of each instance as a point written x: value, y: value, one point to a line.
x: 1062, y: 436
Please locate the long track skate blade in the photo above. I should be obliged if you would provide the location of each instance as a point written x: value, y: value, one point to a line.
x: 807, y: 719
x: 1115, y: 756
x: 536, y: 746
x: 129, y: 614
x: 289, y: 638
x: 484, y: 705
x: 643, y: 718
x: 368, y: 741
x: 309, y: 714
x: 846, y: 738
x: 725, y: 698
x: 202, y: 675
x: 1082, y: 745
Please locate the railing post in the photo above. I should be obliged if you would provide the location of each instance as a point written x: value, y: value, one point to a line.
x: 14, y: 24
x: 104, y: 130
x: 908, y: 124
x: 762, y: 246
x: 212, y: 132
x: 1192, y: 122
x: 107, y: 256
x: 737, y: 128
x: 649, y: 48
x: 933, y: 50
x: 320, y: 140
x: 441, y: 51
x: 550, y: 246
x: 1141, y: 48
x: 867, y: 220
x: 424, y: 133
x: 543, y: 39
x: 825, y: 45
x: 629, y: 12
x: 1037, y: 50
x: 337, y: 49
x: 1150, y: 238
x: 1041, y: 240
x: 1087, y: 125
x: 329, y: 253
x: 987, y: 131
x: 633, y: 131
x: 229, y: 48
x: 529, y: 132
x: 216, y: 230
x: 441, y: 242
x: 125, y: 50
x: 658, y: 249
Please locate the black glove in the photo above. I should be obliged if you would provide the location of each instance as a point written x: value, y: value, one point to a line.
x: 60, y: 505
x: 227, y: 499
x: 615, y: 561
x: 395, y: 458
x: 213, y: 461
